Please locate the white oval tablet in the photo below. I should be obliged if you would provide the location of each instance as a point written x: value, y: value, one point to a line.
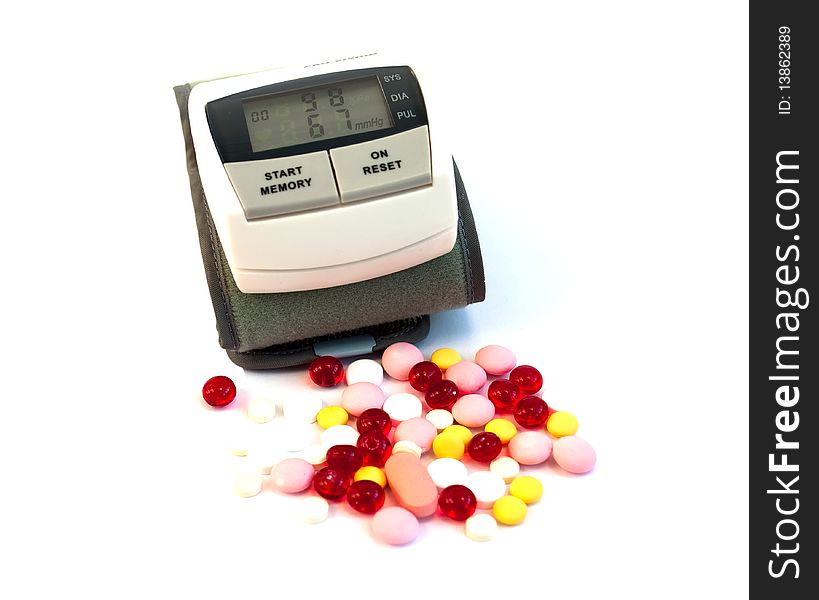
x: 365, y: 369
x: 440, y: 418
x: 315, y: 454
x: 403, y: 406
x: 407, y: 446
x: 303, y: 407
x: 447, y: 471
x: 313, y: 509
x: 505, y: 466
x: 338, y: 435
x: 481, y: 527
x: 247, y: 484
x: 487, y: 487
x: 296, y: 435
x: 261, y: 410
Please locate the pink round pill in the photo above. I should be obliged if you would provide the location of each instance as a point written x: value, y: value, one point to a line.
x: 395, y: 526
x: 496, y: 360
x: 417, y: 430
x: 473, y: 410
x: 530, y: 447
x: 292, y: 475
x: 468, y: 376
x: 399, y: 358
x: 574, y: 454
x: 358, y: 397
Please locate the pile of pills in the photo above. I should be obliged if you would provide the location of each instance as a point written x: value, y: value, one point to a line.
x: 456, y: 453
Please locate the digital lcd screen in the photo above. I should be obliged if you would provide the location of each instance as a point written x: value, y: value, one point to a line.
x: 317, y: 113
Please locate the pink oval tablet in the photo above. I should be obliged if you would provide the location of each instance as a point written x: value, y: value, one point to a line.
x: 530, y: 447
x: 395, y: 526
x: 473, y: 410
x: 574, y: 454
x: 417, y: 430
x: 292, y: 475
x: 468, y: 376
x: 358, y: 397
x: 399, y: 358
x: 496, y: 360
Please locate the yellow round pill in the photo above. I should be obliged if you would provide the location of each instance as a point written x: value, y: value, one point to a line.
x: 509, y: 510
x: 503, y: 428
x: 447, y: 445
x: 371, y: 474
x: 526, y: 488
x: 462, y: 433
x: 562, y: 423
x: 330, y: 416
x: 445, y: 357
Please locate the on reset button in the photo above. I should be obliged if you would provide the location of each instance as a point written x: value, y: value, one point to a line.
x: 383, y: 166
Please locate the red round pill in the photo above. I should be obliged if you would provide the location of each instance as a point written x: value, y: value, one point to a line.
x: 375, y: 447
x: 457, y: 502
x: 484, y: 446
x: 345, y: 458
x: 326, y: 371
x: 442, y: 394
x: 366, y: 496
x: 219, y: 391
x: 331, y: 483
x: 531, y: 412
x: 374, y: 418
x: 424, y: 374
x: 528, y: 378
x: 504, y: 394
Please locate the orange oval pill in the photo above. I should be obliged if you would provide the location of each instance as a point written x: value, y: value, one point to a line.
x: 411, y: 484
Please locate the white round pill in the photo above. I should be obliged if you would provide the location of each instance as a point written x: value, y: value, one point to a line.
x: 302, y: 408
x: 407, y: 446
x: 247, y: 484
x: 440, y: 418
x: 338, y: 435
x: 261, y: 410
x: 313, y: 509
x: 481, y: 527
x: 365, y: 369
x: 239, y: 434
x: 403, y: 406
x: 505, y: 466
x: 296, y: 435
x: 445, y: 472
x: 315, y: 454
x: 487, y: 487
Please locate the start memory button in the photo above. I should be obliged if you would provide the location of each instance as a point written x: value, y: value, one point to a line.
x: 283, y: 185
x: 383, y: 166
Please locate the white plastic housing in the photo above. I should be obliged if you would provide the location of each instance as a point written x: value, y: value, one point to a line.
x: 333, y: 246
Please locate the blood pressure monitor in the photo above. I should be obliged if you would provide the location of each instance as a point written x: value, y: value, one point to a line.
x: 325, y: 176
x: 327, y: 188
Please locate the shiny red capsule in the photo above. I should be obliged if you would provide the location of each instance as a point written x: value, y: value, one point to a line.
x: 484, y: 446
x: 219, y: 391
x: 345, y: 458
x: 424, y: 374
x: 528, y: 378
x: 442, y: 394
x: 366, y: 496
x: 326, y: 371
x: 331, y: 483
x: 532, y: 412
x: 457, y: 502
x: 504, y: 394
x: 375, y: 447
x: 374, y: 418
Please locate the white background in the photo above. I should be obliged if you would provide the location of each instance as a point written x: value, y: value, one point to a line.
x: 604, y: 149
